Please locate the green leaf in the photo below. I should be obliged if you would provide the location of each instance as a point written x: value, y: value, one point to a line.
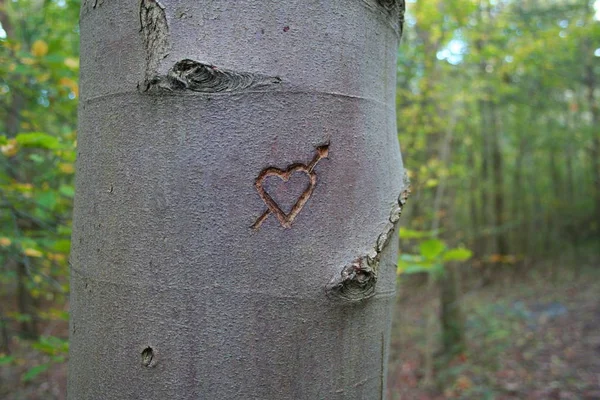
x: 3, y: 140
x: 413, y: 234
x: 55, y: 58
x: 438, y: 270
x: 62, y: 246
x: 413, y: 264
x: 5, y: 360
x: 37, y: 139
x: 52, y: 345
x: 432, y: 248
x: 34, y: 371
x: 457, y: 254
x: 67, y: 190
x: 65, y: 231
x: 47, y: 200
x: 415, y: 269
x: 410, y: 258
x: 21, y: 317
x: 36, y: 158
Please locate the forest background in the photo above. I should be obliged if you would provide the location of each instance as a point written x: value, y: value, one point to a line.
x: 498, y: 121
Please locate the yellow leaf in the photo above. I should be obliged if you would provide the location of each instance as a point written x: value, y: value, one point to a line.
x: 72, y: 62
x: 57, y: 257
x: 464, y: 383
x: 66, y: 168
x: 39, y: 48
x: 432, y: 182
x: 43, y: 77
x: 71, y: 84
x: 495, y: 258
x: 10, y: 148
x: 37, y: 279
x: 27, y: 61
x: 5, y: 242
x: 23, y: 187
x: 32, y: 252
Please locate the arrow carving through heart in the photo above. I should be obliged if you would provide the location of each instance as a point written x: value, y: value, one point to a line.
x: 286, y: 219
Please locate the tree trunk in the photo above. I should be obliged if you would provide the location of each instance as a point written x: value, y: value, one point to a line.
x: 238, y: 185
x: 26, y: 304
x: 590, y: 82
x: 498, y: 188
x: 451, y: 316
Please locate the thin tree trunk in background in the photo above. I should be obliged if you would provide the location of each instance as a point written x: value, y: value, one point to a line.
x: 518, y: 211
x: 472, y: 188
x: 237, y: 185
x: 452, y: 317
x: 552, y: 235
x: 4, y: 336
x: 473, y: 206
x: 483, y: 105
x: 536, y: 212
x: 498, y: 177
x: 570, y: 186
x: 485, y: 174
x: 26, y: 304
x: 590, y: 81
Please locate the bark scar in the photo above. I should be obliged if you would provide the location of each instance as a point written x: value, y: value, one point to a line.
x: 356, y: 281
x: 155, y: 31
x: 194, y: 76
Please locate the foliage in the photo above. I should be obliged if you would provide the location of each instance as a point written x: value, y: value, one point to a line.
x: 497, y: 115
x: 432, y: 255
x: 38, y: 99
x: 498, y: 126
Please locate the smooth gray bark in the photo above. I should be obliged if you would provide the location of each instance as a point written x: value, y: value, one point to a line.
x: 238, y: 185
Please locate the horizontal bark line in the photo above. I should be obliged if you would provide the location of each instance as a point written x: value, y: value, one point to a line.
x: 189, y: 75
x: 279, y: 90
x: 77, y: 274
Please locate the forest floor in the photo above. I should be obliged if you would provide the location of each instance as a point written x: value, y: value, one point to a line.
x: 535, y: 337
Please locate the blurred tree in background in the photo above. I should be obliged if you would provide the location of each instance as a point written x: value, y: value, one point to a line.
x: 498, y: 116
x: 498, y: 121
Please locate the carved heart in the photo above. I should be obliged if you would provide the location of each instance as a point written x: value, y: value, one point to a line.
x: 286, y: 193
x: 284, y: 218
